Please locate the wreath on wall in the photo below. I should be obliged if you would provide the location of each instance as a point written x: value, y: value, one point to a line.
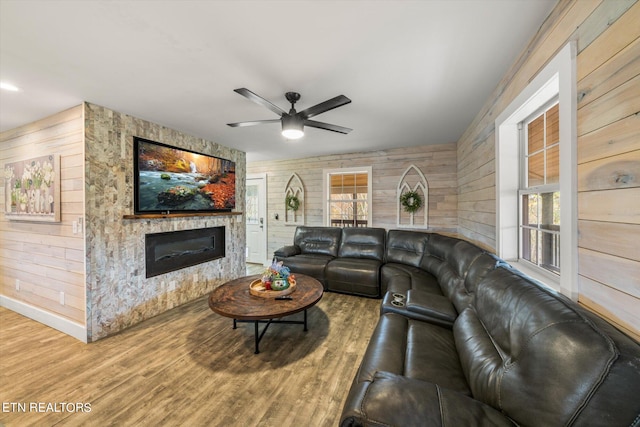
x: 292, y: 202
x: 411, y: 201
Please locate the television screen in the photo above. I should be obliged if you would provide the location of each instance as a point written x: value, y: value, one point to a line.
x: 169, y: 179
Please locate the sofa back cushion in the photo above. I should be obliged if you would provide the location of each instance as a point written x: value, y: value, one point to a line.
x: 362, y: 242
x: 449, y: 259
x: 406, y: 247
x: 480, y: 267
x: 453, y: 272
x: 528, y: 352
x: 318, y: 240
x: 436, y: 252
x: 615, y: 402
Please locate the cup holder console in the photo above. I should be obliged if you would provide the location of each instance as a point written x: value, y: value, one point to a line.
x: 398, y: 299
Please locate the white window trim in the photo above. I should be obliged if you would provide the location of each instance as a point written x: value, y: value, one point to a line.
x: 325, y: 191
x: 558, y: 77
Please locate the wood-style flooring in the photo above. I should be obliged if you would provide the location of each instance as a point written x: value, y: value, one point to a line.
x: 186, y: 367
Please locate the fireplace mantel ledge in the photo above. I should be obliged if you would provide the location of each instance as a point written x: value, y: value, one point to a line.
x: 178, y: 215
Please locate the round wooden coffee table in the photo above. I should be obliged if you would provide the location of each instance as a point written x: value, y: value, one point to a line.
x: 234, y: 300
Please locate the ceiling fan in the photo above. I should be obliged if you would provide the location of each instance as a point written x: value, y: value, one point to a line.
x: 293, y: 122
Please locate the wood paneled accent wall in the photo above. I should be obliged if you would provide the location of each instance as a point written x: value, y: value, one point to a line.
x: 437, y: 162
x: 608, y: 74
x: 47, y: 258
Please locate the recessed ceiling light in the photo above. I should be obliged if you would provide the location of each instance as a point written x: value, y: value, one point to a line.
x: 9, y: 87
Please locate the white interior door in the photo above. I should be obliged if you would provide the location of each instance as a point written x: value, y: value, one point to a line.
x: 256, y: 217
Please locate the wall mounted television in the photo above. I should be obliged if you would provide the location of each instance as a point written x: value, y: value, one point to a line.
x: 169, y: 179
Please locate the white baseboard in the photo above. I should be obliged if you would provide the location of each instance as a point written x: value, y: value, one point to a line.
x: 54, y: 321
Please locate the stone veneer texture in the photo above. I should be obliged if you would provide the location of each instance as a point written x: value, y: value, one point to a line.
x: 118, y: 294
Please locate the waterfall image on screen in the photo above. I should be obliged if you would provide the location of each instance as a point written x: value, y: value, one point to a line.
x: 172, y: 179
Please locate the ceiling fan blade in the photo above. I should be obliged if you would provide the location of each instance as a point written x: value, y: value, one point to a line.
x: 260, y: 100
x: 327, y: 126
x: 336, y: 102
x: 253, y: 123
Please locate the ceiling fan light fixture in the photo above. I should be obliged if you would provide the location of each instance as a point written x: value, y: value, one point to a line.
x: 292, y: 127
x: 293, y: 122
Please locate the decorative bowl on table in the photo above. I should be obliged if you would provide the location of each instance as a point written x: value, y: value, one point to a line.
x: 258, y: 289
x: 277, y: 280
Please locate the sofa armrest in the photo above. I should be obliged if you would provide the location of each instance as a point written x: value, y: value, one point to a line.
x: 395, y: 400
x: 287, y: 251
x: 430, y: 305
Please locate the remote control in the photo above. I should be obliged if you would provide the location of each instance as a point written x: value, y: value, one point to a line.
x: 284, y: 297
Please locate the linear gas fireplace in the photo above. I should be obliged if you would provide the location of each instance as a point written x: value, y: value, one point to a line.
x: 165, y: 252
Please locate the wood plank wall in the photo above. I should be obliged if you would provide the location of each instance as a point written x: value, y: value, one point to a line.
x: 437, y: 163
x: 47, y: 258
x: 608, y: 74
x: 609, y: 172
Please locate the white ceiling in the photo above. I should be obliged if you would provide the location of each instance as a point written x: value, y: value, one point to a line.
x: 417, y: 71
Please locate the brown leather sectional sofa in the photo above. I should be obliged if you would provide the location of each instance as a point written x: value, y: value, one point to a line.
x: 465, y: 340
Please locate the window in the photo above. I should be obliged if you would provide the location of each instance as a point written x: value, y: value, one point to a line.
x: 251, y: 204
x: 347, y: 193
x: 533, y: 177
x: 540, y: 190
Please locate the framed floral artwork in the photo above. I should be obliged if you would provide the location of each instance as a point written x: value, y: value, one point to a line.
x: 32, y: 189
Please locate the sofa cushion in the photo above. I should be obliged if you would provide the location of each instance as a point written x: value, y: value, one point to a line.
x: 318, y: 240
x: 362, y: 242
x: 286, y: 251
x: 482, y: 265
x: 400, y: 278
x: 453, y: 272
x: 414, y: 349
x: 395, y: 400
x: 614, y: 403
x: 354, y: 276
x: 405, y: 247
x: 436, y: 252
x: 528, y: 352
x: 311, y: 265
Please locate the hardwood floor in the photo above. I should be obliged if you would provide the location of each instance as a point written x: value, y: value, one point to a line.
x: 186, y: 367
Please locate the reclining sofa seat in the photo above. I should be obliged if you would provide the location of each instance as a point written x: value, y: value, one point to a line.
x: 401, y: 270
x: 518, y: 355
x: 344, y: 260
x: 312, y: 249
x: 356, y: 270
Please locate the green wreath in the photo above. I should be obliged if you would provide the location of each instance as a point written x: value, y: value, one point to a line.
x: 292, y: 202
x: 411, y: 201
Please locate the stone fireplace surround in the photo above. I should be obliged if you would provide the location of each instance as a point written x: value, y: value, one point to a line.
x: 118, y: 295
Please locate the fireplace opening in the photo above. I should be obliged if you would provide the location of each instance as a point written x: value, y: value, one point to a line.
x: 173, y: 250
